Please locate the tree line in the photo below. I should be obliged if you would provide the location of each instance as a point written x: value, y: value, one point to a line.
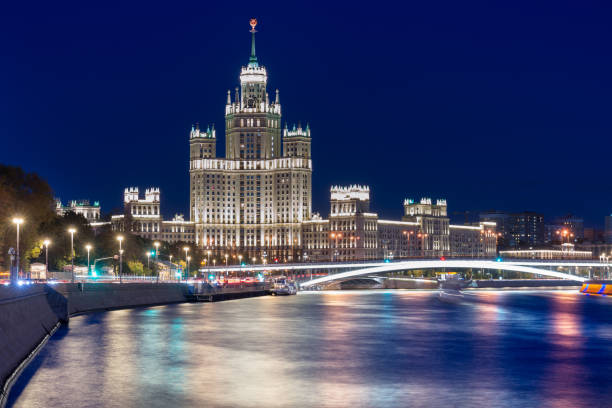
x: 28, y: 196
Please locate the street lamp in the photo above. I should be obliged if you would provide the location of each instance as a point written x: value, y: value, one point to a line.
x: 120, y: 239
x: 186, y: 249
x: 148, y: 259
x: 188, y: 259
x: 17, y: 221
x: 46, y: 243
x: 88, y: 248
x: 170, y: 256
x: 72, y: 231
x: 156, y: 245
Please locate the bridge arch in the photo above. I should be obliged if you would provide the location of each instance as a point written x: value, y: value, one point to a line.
x: 438, y: 264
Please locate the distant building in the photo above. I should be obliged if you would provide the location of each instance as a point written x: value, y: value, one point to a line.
x: 502, y: 225
x: 354, y: 232
x: 142, y: 217
x: 91, y: 212
x: 178, y: 230
x: 565, y: 229
x: 566, y: 251
x: 594, y: 235
x: 518, y: 230
x: 433, y: 225
x: 478, y: 240
x: 608, y: 229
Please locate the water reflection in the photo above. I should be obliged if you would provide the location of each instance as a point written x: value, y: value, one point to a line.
x: 333, y: 349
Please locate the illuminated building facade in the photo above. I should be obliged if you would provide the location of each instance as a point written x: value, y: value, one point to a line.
x: 254, y: 200
x: 142, y: 217
x: 432, y: 223
x: 91, y: 212
x: 354, y: 232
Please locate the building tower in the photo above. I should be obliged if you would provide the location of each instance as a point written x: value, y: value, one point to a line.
x: 433, y: 230
x: 251, y: 202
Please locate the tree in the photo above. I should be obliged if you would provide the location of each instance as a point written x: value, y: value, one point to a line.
x: 56, y: 230
x: 28, y: 196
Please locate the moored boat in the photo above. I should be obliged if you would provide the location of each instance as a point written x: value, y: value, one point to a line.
x: 597, y: 287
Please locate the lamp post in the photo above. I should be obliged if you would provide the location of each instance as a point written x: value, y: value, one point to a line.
x: 605, y: 258
x: 120, y: 239
x: 156, y: 245
x: 240, y: 263
x: 46, y: 243
x: 170, y: 256
x: 188, y: 259
x: 17, y: 221
x: 72, y: 231
x: 186, y: 249
x: 208, y: 262
x: 88, y: 248
x: 149, y: 259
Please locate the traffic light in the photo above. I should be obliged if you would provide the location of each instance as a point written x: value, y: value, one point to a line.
x: 443, y: 258
x: 499, y: 259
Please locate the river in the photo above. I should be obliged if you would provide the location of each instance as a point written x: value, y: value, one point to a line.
x: 333, y: 349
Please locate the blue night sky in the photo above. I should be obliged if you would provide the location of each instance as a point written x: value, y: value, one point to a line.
x: 492, y: 106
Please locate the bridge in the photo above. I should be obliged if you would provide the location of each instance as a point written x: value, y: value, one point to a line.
x: 374, y: 268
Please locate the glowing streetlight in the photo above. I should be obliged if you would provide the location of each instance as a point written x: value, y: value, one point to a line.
x: 120, y: 239
x: 156, y: 245
x: 72, y: 231
x: 186, y: 249
x: 46, y: 243
x: 88, y: 248
x: 17, y: 221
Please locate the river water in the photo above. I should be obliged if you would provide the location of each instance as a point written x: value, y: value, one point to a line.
x: 334, y: 349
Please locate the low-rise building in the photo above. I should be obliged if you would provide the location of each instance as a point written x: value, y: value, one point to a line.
x: 91, y: 212
x: 353, y: 232
x: 142, y: 217
x: 565, y: 251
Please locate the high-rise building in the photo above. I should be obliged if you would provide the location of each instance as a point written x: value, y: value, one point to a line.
x: 253, y: 200
x: 566, y: 229
x: 518, y: 230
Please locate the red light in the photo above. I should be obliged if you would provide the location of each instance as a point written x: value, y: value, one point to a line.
x: 443, y: 258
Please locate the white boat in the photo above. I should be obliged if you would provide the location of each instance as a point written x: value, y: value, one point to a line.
x: 283, y: 286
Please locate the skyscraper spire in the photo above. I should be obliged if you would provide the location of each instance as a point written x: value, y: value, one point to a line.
x: 253, y: 58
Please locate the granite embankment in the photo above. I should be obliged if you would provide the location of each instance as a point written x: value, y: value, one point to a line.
x: 29, y: 314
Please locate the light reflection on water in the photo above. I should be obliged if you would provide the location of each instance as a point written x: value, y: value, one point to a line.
x: 331, y: 349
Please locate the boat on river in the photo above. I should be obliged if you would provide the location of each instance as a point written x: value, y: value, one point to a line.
x: 282, y: 286
x: 597, y: 287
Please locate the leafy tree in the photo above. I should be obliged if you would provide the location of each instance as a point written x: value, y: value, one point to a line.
x: 56, y: 230
x: 28, y: 196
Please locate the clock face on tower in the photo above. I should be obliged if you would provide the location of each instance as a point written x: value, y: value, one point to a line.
x: 251, y: 102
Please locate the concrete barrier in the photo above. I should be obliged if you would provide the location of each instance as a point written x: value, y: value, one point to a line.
x: 88, y: 297
x: 26, y: 320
